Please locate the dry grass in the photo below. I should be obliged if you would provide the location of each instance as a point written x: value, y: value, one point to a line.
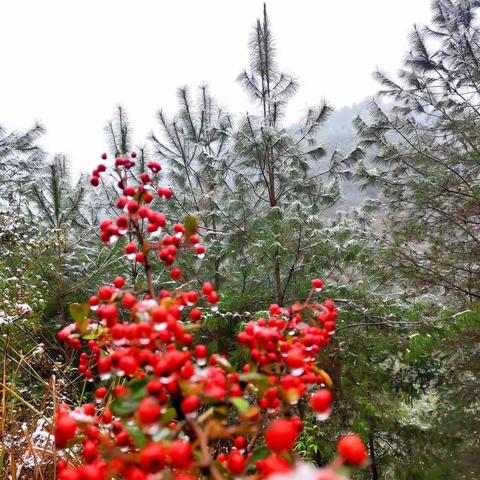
x: 33, y: 384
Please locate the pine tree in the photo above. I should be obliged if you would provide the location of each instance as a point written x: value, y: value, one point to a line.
x: 196, y: 145
x: 424, y: 141
x: 250, y: 182
x: 427, y: 148
x: 56, y: 206
x: 274, y: 164
x: 21, y: 160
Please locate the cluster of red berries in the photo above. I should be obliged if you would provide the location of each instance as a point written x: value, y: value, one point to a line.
x: 164, y: 404
x: 135, y: 203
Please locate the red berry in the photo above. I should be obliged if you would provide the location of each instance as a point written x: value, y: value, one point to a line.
x: 123, y: 439
x: 152, y: 458
x: 101, y: 392
x: 190, y: 404
x: 213, y: 298
x: 352, y: 449
x: 281, y: 435
x: 119, y: 390
x: 192, y: 297
x: 207, y: 288
x: 129, y: 300
x: 195, y: 315
x: 275, y: 309
x: 175, y: 273
x: 69, y: 473
x: 130, y: 248
x: 330, y: 304
x: 104, y: 365
x: 154, y: 166
x: 159, y: 314
x: 65, y: 429
x: 107, y: 416
x: 200, y: 351
x: 129, y: 191
x: 240, y: 442
x: 194, y: 239
x: 180, y: 454
x: 90, y: 451
x: 105, y: 223
x: 89, y: 409
x: 149, y: 411
x: 295, y: 358
x: 145, y: 177
x: 317, y: 284
x: 155, y: 387
x: 132, y: 206
x: 106, y: 292
x: 188, y: 370
x: 128, y: 365
x: 93, y: 301
x: 165, y: 192
x: 122, y: 202
x: 236, y: 462
x: 321, y: 400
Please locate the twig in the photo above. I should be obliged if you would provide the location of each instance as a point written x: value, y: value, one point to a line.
x: 206, y: 460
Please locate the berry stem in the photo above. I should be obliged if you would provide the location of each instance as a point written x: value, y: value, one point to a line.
x: 206, y: 460
x: 148, y: 263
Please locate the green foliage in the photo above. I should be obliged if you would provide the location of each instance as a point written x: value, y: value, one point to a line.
x: 404, y: 268
x: 26, y: 266
x: 21, y: 162
x: 425, y: 147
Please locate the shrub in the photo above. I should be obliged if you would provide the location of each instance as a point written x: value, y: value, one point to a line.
x: 164, y: 406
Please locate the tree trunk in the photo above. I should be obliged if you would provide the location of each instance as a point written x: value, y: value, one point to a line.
x: 373, y: 465
x: 218, y: 260
x: 216, y: 278
x: 60, y: 293
x: 278, y: 279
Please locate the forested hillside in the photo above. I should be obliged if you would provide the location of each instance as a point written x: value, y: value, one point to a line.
x: 327, y: 269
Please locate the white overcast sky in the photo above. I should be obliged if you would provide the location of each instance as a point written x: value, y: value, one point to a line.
x: 67, y: 63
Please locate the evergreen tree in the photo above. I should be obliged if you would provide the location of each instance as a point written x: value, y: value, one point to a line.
x: 56, y: 206
x: 272, y: 167
x: 196, y: 145
x: 21, y: 160
x: 427, y: 148
x: 422, y: 416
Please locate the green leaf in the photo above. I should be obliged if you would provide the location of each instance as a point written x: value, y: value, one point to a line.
x: 94, y: 333
x: 138, y: 388
x: 224, y: 363
x: 259, y: 453
x: 79, y: 312
x: 241, y: 404
x: 169, y: 415
x: 258, y: 379
x: 124, y: 408
x: 139, y: 439
x: 191, y: 226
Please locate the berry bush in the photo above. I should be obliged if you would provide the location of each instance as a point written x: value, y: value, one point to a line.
x: 163, y: 406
